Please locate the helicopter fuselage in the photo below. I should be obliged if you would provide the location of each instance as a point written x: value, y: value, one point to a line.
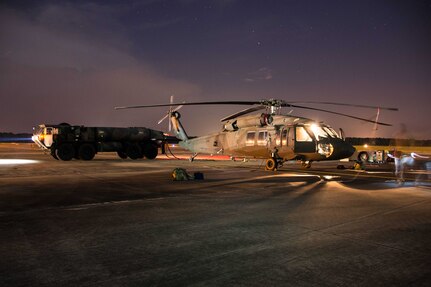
x: 285, y: 138
x: 269, y: 135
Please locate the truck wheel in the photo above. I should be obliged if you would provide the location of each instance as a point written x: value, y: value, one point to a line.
x: 150, y: 151
x: 65, y: 152
x: 134, y: 151
x: 122, y: 154
x: 86, y: 152
x: 53, y: 154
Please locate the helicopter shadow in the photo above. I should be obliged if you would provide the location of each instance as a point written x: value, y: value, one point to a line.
x: 280, y: 183
x: 293, y: 189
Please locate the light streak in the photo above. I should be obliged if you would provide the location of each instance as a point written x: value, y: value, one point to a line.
x: 14, y: 161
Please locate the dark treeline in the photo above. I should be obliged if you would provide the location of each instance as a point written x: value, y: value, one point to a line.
x: 388, y: 142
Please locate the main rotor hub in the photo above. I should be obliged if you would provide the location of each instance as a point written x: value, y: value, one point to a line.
x: 272, y: 103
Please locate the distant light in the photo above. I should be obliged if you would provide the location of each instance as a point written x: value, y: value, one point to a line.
x: 14, y: 161
x: 365, y: 146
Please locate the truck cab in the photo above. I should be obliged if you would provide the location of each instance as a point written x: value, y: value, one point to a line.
x: 43, y: 136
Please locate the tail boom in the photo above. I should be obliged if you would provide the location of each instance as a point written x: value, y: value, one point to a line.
x: 179, y: 131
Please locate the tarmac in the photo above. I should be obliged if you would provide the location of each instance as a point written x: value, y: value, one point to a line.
x: 113, y: 222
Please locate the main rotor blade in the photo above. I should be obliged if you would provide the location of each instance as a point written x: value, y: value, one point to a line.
x: 337, y: 113
x: 268, y: 103
x: 193, y: 104
x: 343, y: 104
x: 243, y: 112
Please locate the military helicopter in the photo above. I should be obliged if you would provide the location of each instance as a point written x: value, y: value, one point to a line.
x: 269, y: 135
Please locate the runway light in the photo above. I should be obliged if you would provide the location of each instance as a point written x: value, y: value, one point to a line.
x: 14, y: 161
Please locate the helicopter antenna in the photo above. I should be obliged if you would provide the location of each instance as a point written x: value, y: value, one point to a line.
x: 377, y: 118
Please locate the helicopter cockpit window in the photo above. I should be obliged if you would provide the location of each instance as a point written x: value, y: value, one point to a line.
x: 302, y: 135
x: 261, y: 138
x: 250, y: 138
x: 331, y: 132
x: 318, y: 132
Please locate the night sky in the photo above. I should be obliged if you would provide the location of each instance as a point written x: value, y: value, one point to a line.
x: 74, y: 61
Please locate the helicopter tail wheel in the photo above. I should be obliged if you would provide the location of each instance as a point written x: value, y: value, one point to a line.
x: 271, y: 164
x: 192, y: 158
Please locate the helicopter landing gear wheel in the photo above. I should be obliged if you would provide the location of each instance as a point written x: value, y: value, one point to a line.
x: 306, y: 164
x: 271, y: 164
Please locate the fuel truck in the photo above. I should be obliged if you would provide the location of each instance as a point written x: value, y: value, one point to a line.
x: 65, y: 142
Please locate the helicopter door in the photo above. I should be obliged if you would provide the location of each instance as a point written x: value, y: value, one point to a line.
x: 304, y: 143
x: 291, y: 138
x: 284, y: 138
x: 280, y: 137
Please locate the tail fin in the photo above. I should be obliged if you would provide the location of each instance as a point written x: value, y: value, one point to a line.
x: 179, y: 131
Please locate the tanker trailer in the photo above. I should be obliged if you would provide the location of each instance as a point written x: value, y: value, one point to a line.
x: 66, y: 142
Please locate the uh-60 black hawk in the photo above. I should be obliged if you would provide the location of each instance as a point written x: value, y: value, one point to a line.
x: 269, y: 135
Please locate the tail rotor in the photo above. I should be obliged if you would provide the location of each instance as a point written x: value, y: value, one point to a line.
x: 169, y: 113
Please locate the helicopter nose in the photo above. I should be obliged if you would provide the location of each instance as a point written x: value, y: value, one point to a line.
x: 347, y: 150
x: 342, y: 150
